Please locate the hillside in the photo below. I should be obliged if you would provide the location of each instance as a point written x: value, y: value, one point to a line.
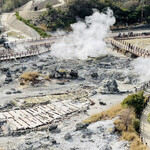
x: 125, y: 11
x: 9, y: 5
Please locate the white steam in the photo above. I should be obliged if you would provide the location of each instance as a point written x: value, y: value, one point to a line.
x: 86, y: 39
x: 20, y: 48
x: 142, y: 68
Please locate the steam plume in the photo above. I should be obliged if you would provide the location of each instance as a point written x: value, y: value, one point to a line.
x: 86, y: 39
x: 142, y: 68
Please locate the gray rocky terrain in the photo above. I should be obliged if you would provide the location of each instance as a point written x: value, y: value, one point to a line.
x: 96, y: 136
x: 103, y: 74
x: 102, y: 78
x: 103, y: 81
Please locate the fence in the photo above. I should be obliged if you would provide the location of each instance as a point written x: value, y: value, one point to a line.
x: 35, y: 39
x: 23, y: 54
x: 116, y: 41
x: 130, y: 48
x: 132, y: 35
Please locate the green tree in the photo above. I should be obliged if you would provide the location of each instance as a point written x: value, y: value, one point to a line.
x: 136, y: 101
x: 8, y: 5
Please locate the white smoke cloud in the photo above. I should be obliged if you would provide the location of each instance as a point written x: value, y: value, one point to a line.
x: 86, y: 39
x: 142, y: 68
x: 20, y: 48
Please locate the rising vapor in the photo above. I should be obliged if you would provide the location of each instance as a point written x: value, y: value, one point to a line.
x: 86, y: 39
x: 142, y: 68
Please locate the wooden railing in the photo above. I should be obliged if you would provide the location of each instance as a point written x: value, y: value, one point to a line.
x: 129, y: 48
x: 115, y: 41
x: 23, y: 54
x: 35, y: 39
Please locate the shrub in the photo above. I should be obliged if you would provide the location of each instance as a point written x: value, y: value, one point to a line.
x: 134, y: 139
x: 9, y: 5
x: 127, y: 125
x: 47, y: 78
x: 108, y: 114
x: 129, y: 136
x: 137, y: 144
x: 126, y: 117
x: 27, y: 22
x: 29, y: 76
x: 125, y: 11
x: 119, y: 126
x: 136, y: 124
x: 136, y: 101
x: 148, y: 19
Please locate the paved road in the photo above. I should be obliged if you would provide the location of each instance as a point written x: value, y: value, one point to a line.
x: 145, y: 126
x: 125, y: 31
x: 39, y: 41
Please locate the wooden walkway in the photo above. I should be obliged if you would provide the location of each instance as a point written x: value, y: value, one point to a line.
x: 35, y: 117
x: 23, y: 54
x: 115, y: 41
x: 34, y: 43
x: 129, y: 48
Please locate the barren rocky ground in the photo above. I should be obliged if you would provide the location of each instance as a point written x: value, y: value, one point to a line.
x: 105, y: 68
x: 99, y: 82
x: 107, y: 79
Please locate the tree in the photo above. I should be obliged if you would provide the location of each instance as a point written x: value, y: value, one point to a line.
x: 135, y: 101
x: 126, y: 117
x: 9, y: 5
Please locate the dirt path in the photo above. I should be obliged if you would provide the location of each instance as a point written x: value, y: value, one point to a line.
x: 9, y: 20
x: 145, y: 126
x: 12, y: 24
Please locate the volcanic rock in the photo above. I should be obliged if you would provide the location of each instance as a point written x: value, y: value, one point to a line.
x: 13, y: 89
x: 80, y: 126
x: 73, y: 74
x: 67, y: 136
x: 94, y: 75
x: 110, y: 87
x: 87, y: 133
x: 8, y: 74
x: 101, y: 103
x: 8, y: 92
x: 106, y: 147
x: 52, y: 140
x: 7, y: 80
x: 4, y: 69
x: 53, y: 127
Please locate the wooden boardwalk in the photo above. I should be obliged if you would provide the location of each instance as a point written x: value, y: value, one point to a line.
x: 46, y: 42
x: 120, y: 44
x: 23, y: 54
x: 34, y: 43
x: 35, y: 117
